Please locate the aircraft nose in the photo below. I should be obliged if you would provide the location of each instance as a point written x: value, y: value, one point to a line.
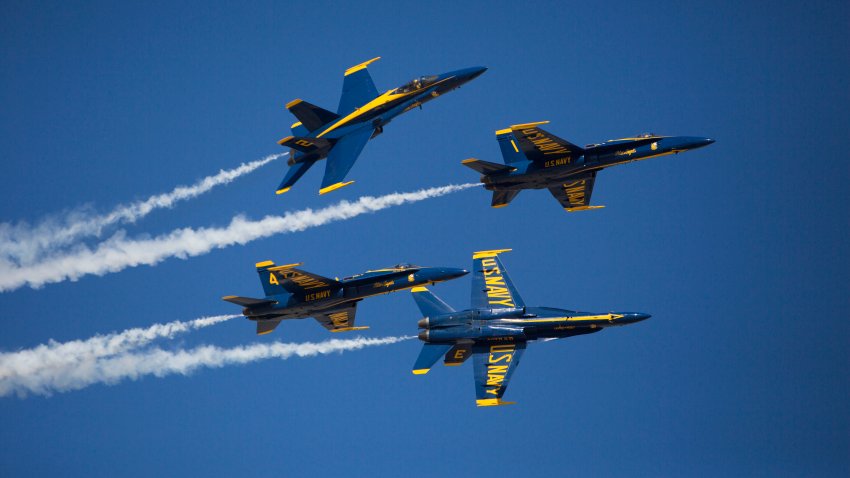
x: 468, y: 74
x: 694, y: 142
x: 455, y: 273
x: 637, y: 316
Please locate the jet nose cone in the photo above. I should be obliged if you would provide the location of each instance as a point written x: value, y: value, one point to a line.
x: 454, y: 273
x: 468, y: 74
x: 638, y: 316
x: 694, y: 142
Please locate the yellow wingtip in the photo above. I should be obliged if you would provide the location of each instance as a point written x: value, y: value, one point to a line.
x: 419, y: 288
x: 467, y: 161
x: 361, y: 66
x: 284, y: 140
x: 349, y: 329
x: 293, y: 103
x: 497, y: 206
x: 281, y: 191
x: 491, y: 253
x: 421, y: 371
x: 582, y: 208
x: 492, y: 402
x: 334, y: 187
x: 295, y: 125
x: 518, y: 126
x: 265, y: 264
x: 265, y: 332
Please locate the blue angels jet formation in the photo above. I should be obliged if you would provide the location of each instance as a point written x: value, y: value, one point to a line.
x: 497, y: 327
x: 292, y: 293
x: 361, y: 115
x: 537, y: 159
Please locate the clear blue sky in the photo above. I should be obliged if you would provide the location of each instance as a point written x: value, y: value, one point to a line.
x: 739, y: 250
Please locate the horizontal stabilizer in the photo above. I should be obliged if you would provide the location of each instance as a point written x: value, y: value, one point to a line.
x: 503, y: 198
x: 310, y: 115
x: 458, y: 355
x: 267, y: 326
x: 428, y: 357
x: 306, y: 145
x: 486, y: 167
x: 247, y: 301
x: 430, y: 304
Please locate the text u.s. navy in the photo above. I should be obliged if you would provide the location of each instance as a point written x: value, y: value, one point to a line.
x: 497, y: 328
x: 293, y: 293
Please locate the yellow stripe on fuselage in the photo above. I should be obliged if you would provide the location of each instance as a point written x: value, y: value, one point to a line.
x: 381, y: 100
x: 579, y: 318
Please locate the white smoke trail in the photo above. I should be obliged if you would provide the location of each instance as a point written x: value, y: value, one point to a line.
x: 21, y: 244
x: 56, y: 359
x: 118, y: 252
x: 159, y: 363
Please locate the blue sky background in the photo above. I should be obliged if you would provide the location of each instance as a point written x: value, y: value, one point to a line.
x: 739, y: 250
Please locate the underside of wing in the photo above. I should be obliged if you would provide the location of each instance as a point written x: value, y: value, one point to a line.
x: 574, y: 194
x: 342, y: 158
x: 357, y: 88
x: 492, y: 288
x: 339, y: 320
x: 493, y: 366
x: 539, y: 145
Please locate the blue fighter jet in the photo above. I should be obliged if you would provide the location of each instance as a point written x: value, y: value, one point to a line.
x: 361, y: 115
x: 497, y: 328
x: 537, y: 159
x: 292, y: 293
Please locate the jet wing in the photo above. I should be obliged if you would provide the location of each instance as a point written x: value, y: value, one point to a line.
x: 342, y: 158
x: 339, y: 320
x: 494, y: 363
x: 357, y: 88
x: 540, y: 145
x: 574, y: 194
x: 300, y: 282
x: 491, y: 286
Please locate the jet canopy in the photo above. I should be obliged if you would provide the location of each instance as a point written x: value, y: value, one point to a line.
x: 416, y: 84
x: 405, y: 265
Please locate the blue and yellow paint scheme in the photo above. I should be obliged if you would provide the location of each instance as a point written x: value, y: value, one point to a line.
x: 293, y: 293
x: 361, y: 115
x: 537, y: 159
x: 497, y: 327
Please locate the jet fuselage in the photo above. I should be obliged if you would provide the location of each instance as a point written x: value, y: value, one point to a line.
x: 558, y: 170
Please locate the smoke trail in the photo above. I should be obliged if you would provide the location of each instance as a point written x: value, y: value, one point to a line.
x: 56, y: 359
x: 160, y: 363
x: 21, y: 244
x: 118, y: 252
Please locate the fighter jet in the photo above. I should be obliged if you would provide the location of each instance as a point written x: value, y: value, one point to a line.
x: 537, y: 159
x: 497, y: 328
x: 292, y: 293
x: 361, y: 115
